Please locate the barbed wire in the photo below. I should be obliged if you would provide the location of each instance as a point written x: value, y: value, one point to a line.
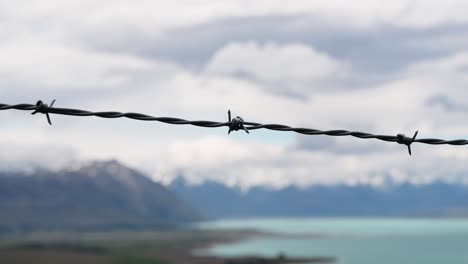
x: 234, y: 124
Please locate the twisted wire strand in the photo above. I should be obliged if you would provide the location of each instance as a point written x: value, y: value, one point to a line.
x: 234, y: 124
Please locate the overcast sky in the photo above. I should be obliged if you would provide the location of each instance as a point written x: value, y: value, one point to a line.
x: 384, y: 67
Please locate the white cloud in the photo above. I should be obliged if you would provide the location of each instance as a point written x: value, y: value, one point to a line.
x: 57, y: 66
x: 19, y: 155
x: 292, y: 65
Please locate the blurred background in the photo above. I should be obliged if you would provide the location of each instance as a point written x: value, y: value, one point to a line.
x: 122, y: 191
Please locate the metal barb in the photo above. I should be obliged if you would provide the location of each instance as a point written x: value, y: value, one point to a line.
x: 236, y: 123
x: 43, y: 108
x: 402, y: 139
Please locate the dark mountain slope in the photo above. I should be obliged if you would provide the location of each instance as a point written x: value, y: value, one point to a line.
x: 102, y: 195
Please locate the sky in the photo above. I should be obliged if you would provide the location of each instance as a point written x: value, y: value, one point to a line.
x: 385, y: 67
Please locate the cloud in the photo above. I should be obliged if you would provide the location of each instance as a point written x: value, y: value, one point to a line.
x: 360, y: 66
x: 17, y: 155
x: 57, y: 66
x: 272, y: 62
x: 248, y: 160
x: 341, y: 146
x: 251, y: 164
x: 378, y: 53
x: 293, y: 65
x: 446, y: 103
x: 154, y: 15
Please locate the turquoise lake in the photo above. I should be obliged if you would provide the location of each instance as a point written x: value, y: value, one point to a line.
x: 353, y: 241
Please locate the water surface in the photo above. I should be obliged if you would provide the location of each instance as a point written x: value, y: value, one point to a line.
x: 353, y: 241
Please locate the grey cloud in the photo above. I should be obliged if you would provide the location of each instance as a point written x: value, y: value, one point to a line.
x: 446, y: 103
x: 338, y: 146
x: 17, y: 156
x: 376, y: 55
x: 314, y: 143
x: 372, y: 51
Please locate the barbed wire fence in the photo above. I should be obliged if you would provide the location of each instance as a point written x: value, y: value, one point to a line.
x: 234, y: 124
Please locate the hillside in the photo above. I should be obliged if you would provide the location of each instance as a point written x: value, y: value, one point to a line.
x: 101, y: 195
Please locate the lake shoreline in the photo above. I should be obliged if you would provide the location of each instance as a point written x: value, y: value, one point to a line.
x: 228, y: 237
x: 168, y: 246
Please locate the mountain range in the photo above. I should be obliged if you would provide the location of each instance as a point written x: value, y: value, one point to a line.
x: 217, y: 200
x: 100, y: 195
x: 108, y: 195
